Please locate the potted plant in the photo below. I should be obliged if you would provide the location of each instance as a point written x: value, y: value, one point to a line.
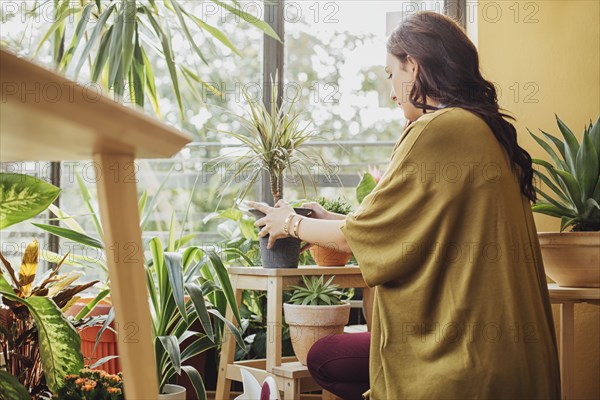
x: 326, y: 254
x: 40, y: 346
x: 274, y: 140
x: 314, y: 311
x: 185, y: 287
x: 571, y: 258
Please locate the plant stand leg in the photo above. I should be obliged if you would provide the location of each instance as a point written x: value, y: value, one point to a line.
x: 290, y: 390
x: 223, y: 391
x: 567, y: 322
x: 274, y: 321
x: 117, y: 196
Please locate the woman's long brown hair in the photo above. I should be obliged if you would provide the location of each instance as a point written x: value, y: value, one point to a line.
x: 449, y: 73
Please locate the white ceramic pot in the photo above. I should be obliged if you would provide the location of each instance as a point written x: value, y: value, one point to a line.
x: 172, y: 392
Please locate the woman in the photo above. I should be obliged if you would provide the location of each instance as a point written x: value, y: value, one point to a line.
x: 447, y: 237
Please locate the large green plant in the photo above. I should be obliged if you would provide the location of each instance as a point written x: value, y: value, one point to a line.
x: 118, y: 46
x: 274, y: 141
x: 36, y: 339
x: 573, y: 177
x: 187, y: 286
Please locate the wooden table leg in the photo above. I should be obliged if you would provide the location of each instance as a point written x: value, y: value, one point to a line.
x: 118, y: 199
x: 223, y: 391
x: 274, y: 321
x: 567, y: 327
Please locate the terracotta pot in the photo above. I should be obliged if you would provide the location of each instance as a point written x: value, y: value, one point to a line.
x: 108, y: 341
x: 572, y: 258
x: 328, y: 256
x: 308, y: 324
x: 172, y: 392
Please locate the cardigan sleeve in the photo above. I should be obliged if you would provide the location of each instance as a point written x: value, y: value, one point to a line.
x: 396, y: 228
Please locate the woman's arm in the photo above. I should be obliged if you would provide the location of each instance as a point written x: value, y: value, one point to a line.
x: 318, y: 231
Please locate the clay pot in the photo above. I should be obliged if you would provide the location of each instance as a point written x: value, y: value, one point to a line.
x: 328, y: 256
x: 572, y: 258
x: 172, y: 392
x: 308, y: 324
x: 108, y: 341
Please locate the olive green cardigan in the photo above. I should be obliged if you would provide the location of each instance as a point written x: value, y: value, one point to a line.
x: 461, y: 308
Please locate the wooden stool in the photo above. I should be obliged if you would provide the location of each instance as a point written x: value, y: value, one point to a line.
x: 292, y: 377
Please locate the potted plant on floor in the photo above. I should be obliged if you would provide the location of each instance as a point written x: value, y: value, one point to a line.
x: 571, y: 258
x: 314, y: 311
x: 326, y: 254
x: 274, y: 141
x: 187, y: 285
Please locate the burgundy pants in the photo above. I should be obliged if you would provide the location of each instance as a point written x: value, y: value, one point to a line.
x: 340, y: 364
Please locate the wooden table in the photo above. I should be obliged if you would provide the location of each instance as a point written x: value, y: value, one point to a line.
x: 46, y: 117
x: 566, y: 297
x: 290, y: 375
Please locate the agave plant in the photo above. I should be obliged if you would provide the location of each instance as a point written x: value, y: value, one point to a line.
x: 573, y: 177
x: 316, y: 293
x: 118, y: 46
x: 39, y: 346
x: 274, y: 139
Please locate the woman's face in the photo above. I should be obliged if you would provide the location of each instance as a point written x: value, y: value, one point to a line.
x: 403, y: 78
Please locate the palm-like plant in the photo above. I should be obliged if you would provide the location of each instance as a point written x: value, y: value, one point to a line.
x: 274, y: 139
x: 201, y: 276
x: 573, y: 178
x: 117, y: 47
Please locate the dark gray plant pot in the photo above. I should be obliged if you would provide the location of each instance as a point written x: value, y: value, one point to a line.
x: 285, y: 252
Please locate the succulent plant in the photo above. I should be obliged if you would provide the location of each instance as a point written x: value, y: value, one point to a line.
x: 338, y: 206
x: 316, y: 293
x: 573, y: 177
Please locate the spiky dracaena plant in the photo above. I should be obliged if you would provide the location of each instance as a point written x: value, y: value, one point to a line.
x: 573, y: 177
x: 275, y: 139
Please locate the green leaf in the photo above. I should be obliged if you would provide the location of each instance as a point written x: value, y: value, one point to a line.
x: 60, y: 345
x: 11, y: 388
x: 87, y: 199
x: 236, y: 333
x: 215, y: 32
x: 574, y: 190
x: 71, y: 235
x: 571, y: 144
x: 365, y: 186
x: 23, y: 197
x: 197, y: 297
x: 90, y: 306
x: 548, y: 209
x: 129, y: 28
x: 100, y: 24
x: 588, y: 167
x: 56, y: 25
x: 173, y: 262
x: 171, y: 345
x: 257, y: 22
x: 559, y: 163
x: 196, y: 380
x: 595, y: 135
x: 79, y: 30
x: 223, y: 276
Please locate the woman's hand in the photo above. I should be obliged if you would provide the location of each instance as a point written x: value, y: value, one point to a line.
x: 318, y: 212
x: 273, y: 221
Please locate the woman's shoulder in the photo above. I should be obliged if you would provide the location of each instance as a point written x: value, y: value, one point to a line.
x: 449, y: 118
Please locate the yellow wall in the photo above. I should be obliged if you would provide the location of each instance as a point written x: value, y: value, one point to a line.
x: 550, y: 51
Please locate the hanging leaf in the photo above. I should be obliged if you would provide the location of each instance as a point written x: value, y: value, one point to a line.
x: 23, y: 197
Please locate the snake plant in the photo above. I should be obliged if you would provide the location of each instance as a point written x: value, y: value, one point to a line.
x: 572, y: 177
